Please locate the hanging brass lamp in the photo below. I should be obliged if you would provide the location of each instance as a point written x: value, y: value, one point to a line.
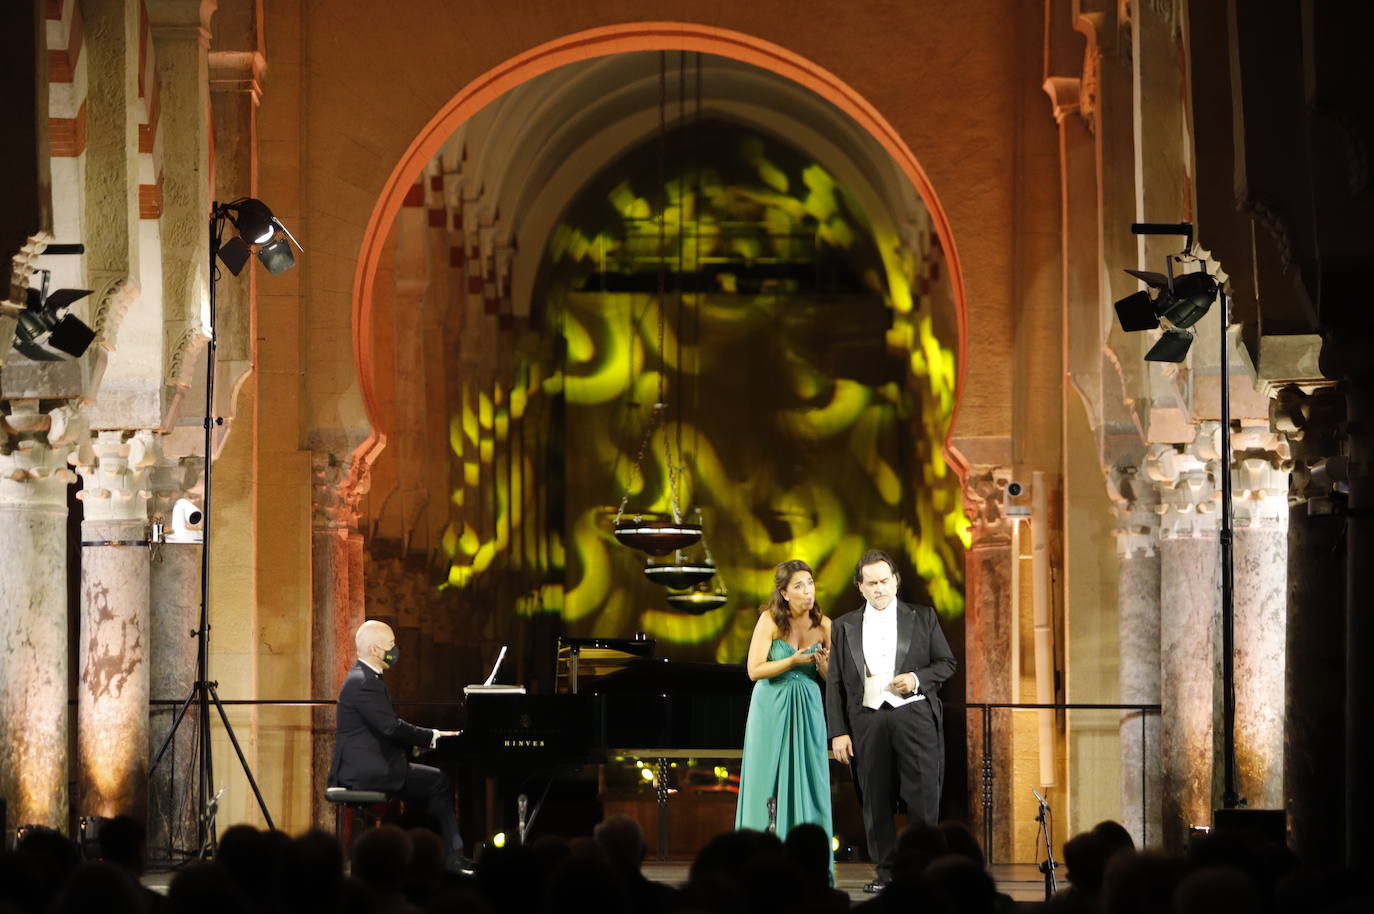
x: 666, y: 534
x: 699, y: 600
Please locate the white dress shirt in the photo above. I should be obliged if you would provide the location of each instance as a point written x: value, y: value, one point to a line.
x: 880, y: 658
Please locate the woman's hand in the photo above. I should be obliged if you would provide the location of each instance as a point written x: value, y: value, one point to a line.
x: 803, y: 658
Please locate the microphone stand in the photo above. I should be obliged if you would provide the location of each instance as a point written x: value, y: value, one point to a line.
x: 1045, y: 818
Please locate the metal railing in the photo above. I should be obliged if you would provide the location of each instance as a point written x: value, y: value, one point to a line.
x: 987, y: 768
x: 981, y: 711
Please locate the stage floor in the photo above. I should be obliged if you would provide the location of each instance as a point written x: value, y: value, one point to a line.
x: 1022, y: 881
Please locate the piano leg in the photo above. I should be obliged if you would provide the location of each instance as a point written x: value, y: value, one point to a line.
x: 662, y: 808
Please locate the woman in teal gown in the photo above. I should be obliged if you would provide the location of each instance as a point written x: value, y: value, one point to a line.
x: 786, y: 753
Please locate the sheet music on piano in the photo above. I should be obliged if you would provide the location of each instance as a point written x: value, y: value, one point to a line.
x: 487, y: 688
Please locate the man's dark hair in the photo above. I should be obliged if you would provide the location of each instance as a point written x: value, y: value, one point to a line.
x: 873, y: 557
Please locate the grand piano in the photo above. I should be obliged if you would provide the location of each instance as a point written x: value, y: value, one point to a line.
x: 613, y: 698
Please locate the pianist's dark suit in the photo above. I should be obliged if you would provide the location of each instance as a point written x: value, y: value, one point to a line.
x: 372, y: 751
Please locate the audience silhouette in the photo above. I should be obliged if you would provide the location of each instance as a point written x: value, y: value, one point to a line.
x: 939, y: 870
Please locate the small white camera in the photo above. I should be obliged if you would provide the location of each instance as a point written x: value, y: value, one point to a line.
x: 1014, y: 489
x: 188, y: 523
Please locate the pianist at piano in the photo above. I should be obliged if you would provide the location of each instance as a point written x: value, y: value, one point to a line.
x: 372, y: 745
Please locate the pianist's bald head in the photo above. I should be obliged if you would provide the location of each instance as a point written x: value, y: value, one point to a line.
x: 373, y: 634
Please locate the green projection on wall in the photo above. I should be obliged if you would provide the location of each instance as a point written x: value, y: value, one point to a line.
x: 807, y: 363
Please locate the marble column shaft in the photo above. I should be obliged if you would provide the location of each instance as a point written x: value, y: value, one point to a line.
x: 1188, y: 610
x: 113, y: 690
x: 1137, y: 539
x: 988, y: 625
x: 333, y: 652
x: 1189, y: 600
x: 1314, y: 656
x: 1138, y: 601
x: 1314, y: 730
x: 1260, y: 559
x: 174, y: 583
x: 33, y: 668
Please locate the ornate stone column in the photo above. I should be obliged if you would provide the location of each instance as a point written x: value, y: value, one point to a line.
x: 112, y: 692
x: 174, y: 585
x: 34, y: 447
x: 1188, y: 594
x: 334, y: 519
x: 1259, y: 473
x: 1137, y: 589
x: 988, y: 651
x: 1314, y: 728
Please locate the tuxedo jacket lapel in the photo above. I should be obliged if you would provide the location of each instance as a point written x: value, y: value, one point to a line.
x: 856, y: 650
x: 906, y: 626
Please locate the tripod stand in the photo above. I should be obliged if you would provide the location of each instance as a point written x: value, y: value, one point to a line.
x: 204, y: 691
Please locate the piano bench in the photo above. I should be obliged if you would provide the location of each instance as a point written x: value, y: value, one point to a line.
x: 357, y: 802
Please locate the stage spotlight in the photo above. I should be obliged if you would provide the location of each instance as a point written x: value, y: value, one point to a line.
x: 1176, y: 305
x: 258, y: 229
x: 46, y: 330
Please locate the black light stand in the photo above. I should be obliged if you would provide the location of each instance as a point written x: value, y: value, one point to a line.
x: 1046, y: 819
x: 1230, y: 798
x: 205, y: 692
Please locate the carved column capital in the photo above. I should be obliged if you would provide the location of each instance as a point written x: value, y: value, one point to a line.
x: 115, y: 476
x: 1187, y: 496
x: 984, y: 491
x: 1260, y: 463
x: 1314, y: 426
x: 35, y: 448
x: 337, y: 485
x: 173, y: 478
x: 1136, y: 497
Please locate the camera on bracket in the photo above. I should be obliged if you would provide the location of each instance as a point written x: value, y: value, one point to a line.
x: 1011, y: 504
x: 188, y: 523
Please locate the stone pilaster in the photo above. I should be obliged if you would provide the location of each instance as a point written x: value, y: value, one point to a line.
x: 113, y: 686
x: 34, y: 447
x: 988, y: 624
x: 174, y: 583
x: 1259, y: 488
x: 1137, y: 542
x: 334, y: 503
x: 1314, y: 731
x: 1188, y: 600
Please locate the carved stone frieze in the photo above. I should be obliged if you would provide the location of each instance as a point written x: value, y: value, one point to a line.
x: 111, y: 306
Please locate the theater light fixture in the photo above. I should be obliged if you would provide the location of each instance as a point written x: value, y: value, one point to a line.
x: 257, y: 231
x: 46, y: 330
x: 1173, y: 303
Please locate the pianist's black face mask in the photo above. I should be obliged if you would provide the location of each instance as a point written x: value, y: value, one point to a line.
x: 391, y: 656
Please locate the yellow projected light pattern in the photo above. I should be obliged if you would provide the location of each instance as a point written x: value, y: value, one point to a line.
x: 800, y: 351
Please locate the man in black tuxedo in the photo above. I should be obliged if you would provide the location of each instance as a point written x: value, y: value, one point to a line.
x: 882, y: 706
x: 372, y: 745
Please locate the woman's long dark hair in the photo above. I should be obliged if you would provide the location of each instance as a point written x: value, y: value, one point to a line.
x: 777, y: 607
